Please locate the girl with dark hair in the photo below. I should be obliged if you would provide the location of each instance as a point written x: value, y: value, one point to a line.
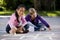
x: 17, y: 21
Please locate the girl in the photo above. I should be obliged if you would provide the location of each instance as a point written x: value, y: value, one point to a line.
x: 36, y: 20
x: 17, y: 21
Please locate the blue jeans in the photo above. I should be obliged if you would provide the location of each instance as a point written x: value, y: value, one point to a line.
x: 37, y: 27
x: 26, y: 27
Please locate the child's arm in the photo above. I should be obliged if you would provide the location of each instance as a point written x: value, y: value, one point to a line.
x: 27, y: 18
x: 24, y: 22
x: 12, y: 21
x: 44, y: 22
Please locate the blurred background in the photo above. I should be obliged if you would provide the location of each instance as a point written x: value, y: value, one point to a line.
x: 49, y: 9
x: 44, y: 7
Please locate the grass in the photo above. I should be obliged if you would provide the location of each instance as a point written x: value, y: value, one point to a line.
x: 50, y: 13
x: 42, y: 13
x: 9, y: 12
x: 6, y: 12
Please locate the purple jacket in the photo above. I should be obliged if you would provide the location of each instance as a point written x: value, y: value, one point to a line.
x: 28, y: 18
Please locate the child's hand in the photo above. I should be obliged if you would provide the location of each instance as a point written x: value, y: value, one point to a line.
x: 49, y: 28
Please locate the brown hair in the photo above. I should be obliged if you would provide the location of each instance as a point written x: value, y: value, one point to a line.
x: 32, y: 11
x: 16, y: 14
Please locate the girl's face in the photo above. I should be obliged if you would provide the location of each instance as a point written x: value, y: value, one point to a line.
x: 32, y: 12
x: 32, y: 16
x: 21, y: 11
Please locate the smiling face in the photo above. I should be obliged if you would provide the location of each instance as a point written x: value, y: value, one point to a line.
x: 20, y: 11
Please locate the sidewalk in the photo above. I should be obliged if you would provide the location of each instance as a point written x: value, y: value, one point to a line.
x: 54, y: 34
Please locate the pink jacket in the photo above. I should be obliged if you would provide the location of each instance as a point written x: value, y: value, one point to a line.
x: 13, y: 22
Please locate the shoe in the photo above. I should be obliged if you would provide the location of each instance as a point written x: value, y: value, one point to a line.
x: 43, y: 29
x: 25, y: 31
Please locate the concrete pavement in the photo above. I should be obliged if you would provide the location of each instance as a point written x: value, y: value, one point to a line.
x: 54, y: 34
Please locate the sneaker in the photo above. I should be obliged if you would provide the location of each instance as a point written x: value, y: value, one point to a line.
x: 25, y: 31
x: 42, y: 29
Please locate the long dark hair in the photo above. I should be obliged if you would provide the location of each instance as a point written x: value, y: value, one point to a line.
x: 16, y: 14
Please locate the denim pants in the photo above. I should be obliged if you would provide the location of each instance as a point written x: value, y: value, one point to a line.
x: 8, y: 28
x: 37, y: 27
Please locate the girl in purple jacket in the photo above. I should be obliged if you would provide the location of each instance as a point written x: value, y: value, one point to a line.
x: 36, y: 20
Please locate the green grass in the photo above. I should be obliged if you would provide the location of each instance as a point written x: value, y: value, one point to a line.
x: 50, y: 13
x: 9, y: 12
x: 6, y: 12
x: 42, y: 13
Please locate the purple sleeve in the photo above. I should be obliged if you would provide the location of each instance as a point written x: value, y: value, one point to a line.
x: 44, y: 22
x: 27, y: 18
